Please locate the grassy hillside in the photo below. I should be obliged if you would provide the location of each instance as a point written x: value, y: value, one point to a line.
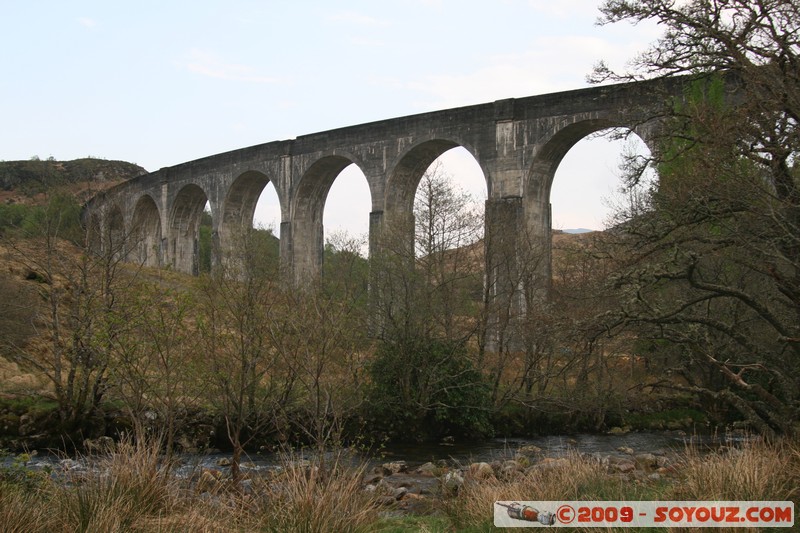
x: 27, y: 181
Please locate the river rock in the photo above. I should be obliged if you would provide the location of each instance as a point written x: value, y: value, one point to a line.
x: 399, y: 480
x: 399, y: 493
x: 209, y: 480
x: 69, y: 464
x: 373, y: 479
x: 529, y: 449
x: 626, y: 450
x: 646, y: 460
x: 480, y: 471
x: 624, y: 467
x: 453, y: 481
x: 386, y: 500
x: 551, y: 463
x: 223, y: 461
x: 27, y: 425
x: 428, y: 469
x: 99, y: 445
x: 394, y: 467
x: 511, y: 469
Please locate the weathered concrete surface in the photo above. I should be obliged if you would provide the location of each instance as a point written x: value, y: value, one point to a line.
x: 518, y: 144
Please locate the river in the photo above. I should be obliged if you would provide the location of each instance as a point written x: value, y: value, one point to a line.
x: 456, y: 453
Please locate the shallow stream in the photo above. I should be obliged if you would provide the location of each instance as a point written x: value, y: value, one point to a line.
x: 456, y: 453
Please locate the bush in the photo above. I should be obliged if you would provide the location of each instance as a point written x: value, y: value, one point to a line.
x: 427, y: 388
x: 60, y: 216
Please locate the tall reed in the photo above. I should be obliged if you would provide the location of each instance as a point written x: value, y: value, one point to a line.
x: 317, y: 497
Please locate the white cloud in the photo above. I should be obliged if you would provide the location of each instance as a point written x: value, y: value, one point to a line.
x: 564, y: 8
x: 366, y: 43
x: 86, y: 22
x: 513, y: 75
x: 212, y: 66
x: 552, y: 64
x: 360, y: 19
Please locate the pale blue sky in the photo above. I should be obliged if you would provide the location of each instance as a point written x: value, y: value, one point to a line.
x: 163, y: 82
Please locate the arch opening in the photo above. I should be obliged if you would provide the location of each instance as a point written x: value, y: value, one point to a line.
x: 449, y: 203
x: 573, y: 185
x: 186, y: 219
x: 595, y: 166
x: 94, y: 232
x: 145, y: 234
x: 309, y: 214
x: 244, y: 240
x: 345, y: 218
x: 432, y: 267
x: 115, y: 238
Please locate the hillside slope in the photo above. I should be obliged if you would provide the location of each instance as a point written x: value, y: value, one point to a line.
x: 28, y: 181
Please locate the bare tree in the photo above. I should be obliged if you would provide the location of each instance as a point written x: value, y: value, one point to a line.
x: 713, y: 254
x: 245, y: 380
x: 154, y: 368
x: 424, y: 376
x: 80, y: 318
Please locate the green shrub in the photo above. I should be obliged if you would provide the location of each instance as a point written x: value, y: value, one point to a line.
x: 427, y: 388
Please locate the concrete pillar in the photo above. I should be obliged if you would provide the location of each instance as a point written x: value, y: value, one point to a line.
x: 504, y: 218
x: 307, y: 250
x: 517, y: 268
x: 286, y: 251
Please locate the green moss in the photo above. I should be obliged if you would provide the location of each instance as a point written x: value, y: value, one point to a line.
x: 678, y: 418
x: 33, y: 405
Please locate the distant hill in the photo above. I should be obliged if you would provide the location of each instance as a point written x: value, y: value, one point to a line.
x: 26, y: 181
x: 577, y: 230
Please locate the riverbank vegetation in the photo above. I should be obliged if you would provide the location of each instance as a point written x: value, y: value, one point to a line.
x: 134, y: 488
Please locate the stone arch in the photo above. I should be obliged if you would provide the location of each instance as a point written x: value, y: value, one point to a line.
x: 404, y: 177
x: 94, y: 232
x: 536, y: 217
x: 307, y: 233
x: 115, y: 237
x: 145, y: 234
x: 397, y: 222
x: 238, y: 207
x: 184, y: 228
x: 547, y: 159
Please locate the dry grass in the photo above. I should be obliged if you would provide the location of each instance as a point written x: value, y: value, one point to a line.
x: 755, y: 472
x: 323, y: 497
x: 22, y: 512
x: 571, y: 478
x: 130, y: 490
x: 124, y: 487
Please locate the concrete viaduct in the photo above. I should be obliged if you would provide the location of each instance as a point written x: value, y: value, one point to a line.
x: 518, y: 144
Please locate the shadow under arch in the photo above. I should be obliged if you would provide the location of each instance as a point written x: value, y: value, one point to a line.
x: 94, y: 232
x: 115, y: 238
x: 145, y: 233
x: 184, y: 228
x: 306, y: 218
